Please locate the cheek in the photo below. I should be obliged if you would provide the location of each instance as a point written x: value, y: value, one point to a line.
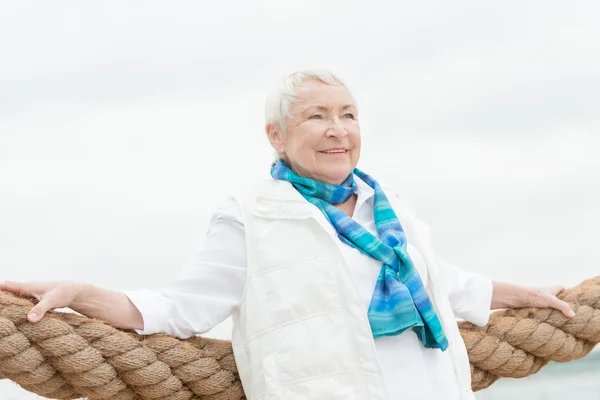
x: 355, y: 137
x: 308, y: 141
x: 301, y: 149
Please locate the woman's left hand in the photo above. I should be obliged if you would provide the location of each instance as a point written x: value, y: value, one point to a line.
x: 507, y: 295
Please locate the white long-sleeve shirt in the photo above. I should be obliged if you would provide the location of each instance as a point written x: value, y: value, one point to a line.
x: 210, y: 289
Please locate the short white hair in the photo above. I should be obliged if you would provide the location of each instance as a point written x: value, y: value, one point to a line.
x: 278, y: 103
x: 281, y: 98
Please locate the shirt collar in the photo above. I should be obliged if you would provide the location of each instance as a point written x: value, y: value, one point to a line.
x: 364, y: 192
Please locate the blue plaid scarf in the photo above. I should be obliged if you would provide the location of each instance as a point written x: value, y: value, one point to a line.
x: 399, y: 300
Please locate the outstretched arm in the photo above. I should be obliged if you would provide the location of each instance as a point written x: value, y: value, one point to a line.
x: 108, y: 305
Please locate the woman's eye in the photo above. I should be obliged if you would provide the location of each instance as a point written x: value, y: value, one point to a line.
x: 349, y: 115
x: 316, y: 116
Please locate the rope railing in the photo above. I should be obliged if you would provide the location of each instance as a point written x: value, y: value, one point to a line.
x: 68, y: 356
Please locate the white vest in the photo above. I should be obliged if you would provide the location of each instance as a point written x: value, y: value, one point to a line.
x: 301, y: 331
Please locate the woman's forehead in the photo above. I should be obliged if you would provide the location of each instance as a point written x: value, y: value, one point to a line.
x: 323, y: 95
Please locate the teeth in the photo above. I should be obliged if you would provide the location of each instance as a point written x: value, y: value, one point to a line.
x: 335, y: 151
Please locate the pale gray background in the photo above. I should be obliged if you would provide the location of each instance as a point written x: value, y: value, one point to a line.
x: 123, y: 124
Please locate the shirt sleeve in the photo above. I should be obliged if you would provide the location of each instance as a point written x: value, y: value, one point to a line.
x: 208, y: 290
x: 470, y: 294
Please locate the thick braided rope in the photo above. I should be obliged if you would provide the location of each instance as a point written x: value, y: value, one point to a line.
x: 519, y: 342
x: 67, y: 356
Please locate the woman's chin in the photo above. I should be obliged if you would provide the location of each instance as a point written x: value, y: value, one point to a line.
x: 337, y: 177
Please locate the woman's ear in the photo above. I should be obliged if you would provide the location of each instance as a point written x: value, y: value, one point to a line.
x: 275, y: 137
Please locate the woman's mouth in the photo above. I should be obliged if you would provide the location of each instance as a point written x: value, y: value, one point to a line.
x: 334, y: 152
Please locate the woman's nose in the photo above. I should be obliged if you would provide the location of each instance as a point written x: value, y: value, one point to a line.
x: 336, y: 128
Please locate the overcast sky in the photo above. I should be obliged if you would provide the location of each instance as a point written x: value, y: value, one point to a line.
x: 123, y: 124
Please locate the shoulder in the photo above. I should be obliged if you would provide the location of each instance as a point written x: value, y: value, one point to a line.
x: 231, y: 207
x: 227, y: 209
x: 246, y: 196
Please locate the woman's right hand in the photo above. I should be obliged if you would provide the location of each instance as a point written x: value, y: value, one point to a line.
x: 50, y: 295
x: 112, y: 307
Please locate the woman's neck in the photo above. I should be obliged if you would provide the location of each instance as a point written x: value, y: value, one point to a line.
x: 348, y: 205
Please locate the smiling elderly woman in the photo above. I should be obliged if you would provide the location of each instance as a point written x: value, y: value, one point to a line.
x: 331, y: 280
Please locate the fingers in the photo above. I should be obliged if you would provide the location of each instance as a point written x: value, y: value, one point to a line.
x: 562, y: 306
x: 10, y: 286
x: 48, y: 299
x: 22, y: 289
x: 557, y: 303
x: 40, y: 309
x: 546, y: 297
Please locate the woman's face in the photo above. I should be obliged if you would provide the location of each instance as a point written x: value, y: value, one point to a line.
x: 322, y: 139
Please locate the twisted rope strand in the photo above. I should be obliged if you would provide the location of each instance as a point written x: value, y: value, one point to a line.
x: 67, y: 356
